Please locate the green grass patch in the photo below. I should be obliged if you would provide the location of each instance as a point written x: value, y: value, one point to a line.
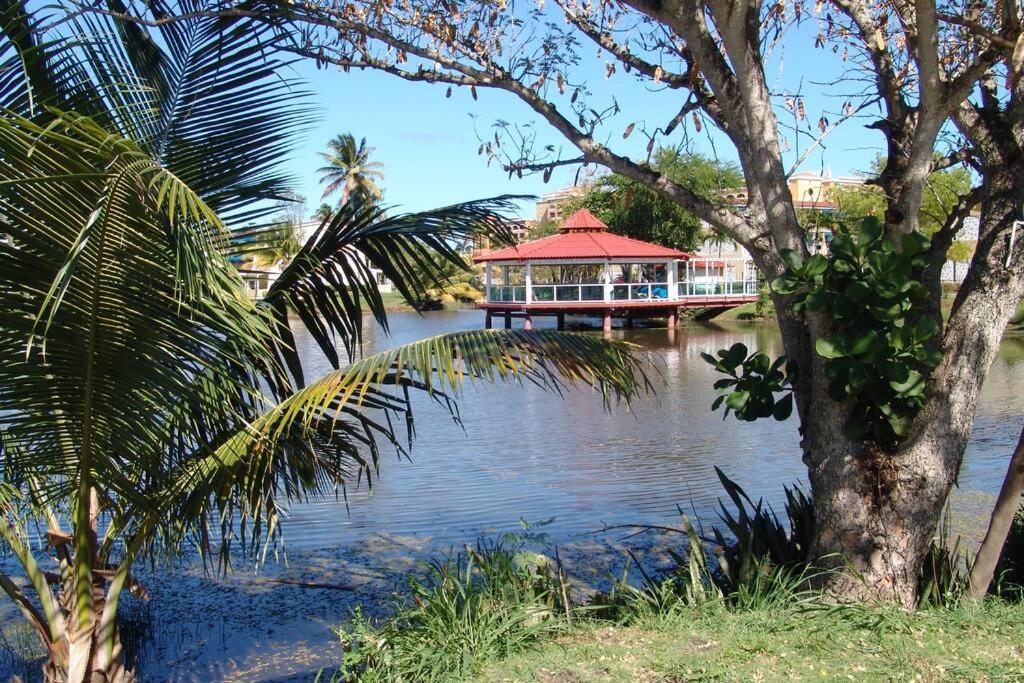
x: 802, y: 642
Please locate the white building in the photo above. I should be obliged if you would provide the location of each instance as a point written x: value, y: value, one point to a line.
x: 258, y: 281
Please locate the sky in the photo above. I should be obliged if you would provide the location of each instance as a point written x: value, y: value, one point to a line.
x: 429, y: 149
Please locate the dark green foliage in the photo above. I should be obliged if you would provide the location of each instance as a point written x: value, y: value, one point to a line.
x: 883, y: 344
x: 755, y: 538
x: 752, y: 383
x: 881, y: 347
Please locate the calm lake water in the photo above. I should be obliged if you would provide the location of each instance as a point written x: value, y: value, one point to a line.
x: 521, y: 453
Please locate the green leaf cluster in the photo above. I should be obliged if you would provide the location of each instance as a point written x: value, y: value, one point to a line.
x: 883, y: 344
x: 632, y: 209
x: 751, y: 384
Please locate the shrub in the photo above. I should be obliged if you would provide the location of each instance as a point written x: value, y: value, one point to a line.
x: 943, y: 578
x: 758, y: 540
x: 480, y: 605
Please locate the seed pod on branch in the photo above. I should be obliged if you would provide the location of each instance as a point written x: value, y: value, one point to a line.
x: 696, y: 121
x: 628, y: 131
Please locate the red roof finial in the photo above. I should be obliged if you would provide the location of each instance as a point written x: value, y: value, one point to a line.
x: 582, y: 220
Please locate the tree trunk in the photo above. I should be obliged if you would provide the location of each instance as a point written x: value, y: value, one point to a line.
x: 875, y: 513
x: 1007, y: 504
x: 84, y: 649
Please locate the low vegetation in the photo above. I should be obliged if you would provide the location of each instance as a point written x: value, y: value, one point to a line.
x: 795, y: 642
x: 738, y: 604
x: 481, y: 605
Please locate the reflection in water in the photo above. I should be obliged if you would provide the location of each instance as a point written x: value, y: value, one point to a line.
x: 520, y: 454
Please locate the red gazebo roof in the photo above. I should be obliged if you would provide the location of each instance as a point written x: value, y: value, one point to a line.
x: 582, y: 235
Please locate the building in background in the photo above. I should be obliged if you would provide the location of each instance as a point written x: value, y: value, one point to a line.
x: 521, y: 231
x: 259, y: 277
x: 551, y: 207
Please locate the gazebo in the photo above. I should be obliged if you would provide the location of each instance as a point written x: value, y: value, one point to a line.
x: 585, y: 269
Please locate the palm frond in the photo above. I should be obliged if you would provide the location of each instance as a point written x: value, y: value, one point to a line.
x: 205, y: 98
x: 327, y: 435
x: 112, y: 303
x: 329, y: 284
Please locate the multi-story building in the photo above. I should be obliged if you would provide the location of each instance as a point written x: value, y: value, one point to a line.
x: 521, y: 231
x: 552, y: 208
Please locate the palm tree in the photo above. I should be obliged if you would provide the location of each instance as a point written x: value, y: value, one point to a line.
x: 350, y: 170
x: 146, y: 405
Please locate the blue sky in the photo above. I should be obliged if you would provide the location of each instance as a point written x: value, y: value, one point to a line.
x: 428, y: 147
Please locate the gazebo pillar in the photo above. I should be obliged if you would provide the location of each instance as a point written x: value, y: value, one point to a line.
x: 529, y: 283
x: 561, y: 321
x: 608, y: 281
x: 607, y: 321
x: 527, y: 322
x: 488, y: 323
x: 673, y: 318
x: 672, y: 269
x: 508, y: 320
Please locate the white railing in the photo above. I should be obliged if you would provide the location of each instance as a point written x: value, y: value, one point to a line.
x: 599, y: 292
x: 593, y: 291
x: 717, y: 287
x: 506, y: 293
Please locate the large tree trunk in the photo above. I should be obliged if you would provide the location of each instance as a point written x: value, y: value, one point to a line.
x: 875, y: 512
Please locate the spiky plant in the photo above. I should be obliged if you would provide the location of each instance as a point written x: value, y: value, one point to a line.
x: 146, y: 404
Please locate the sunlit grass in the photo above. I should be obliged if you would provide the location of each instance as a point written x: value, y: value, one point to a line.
x: 802, y: 642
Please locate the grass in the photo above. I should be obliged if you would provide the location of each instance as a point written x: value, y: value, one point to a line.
x: 393, y: 302
x: 802, y: 642
x: 478, y: 606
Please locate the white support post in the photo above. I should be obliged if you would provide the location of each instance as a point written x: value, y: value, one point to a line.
x: 607, y: 281
x: 487, y: 281
x: 529, y: 282
x: 671, y: 268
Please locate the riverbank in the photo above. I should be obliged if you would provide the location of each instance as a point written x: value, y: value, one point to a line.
x: 800, y: 641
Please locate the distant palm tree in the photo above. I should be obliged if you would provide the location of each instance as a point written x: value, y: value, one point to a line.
x: 349, y: 169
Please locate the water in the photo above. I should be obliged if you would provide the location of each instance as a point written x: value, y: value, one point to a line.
x: 521, y: 453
